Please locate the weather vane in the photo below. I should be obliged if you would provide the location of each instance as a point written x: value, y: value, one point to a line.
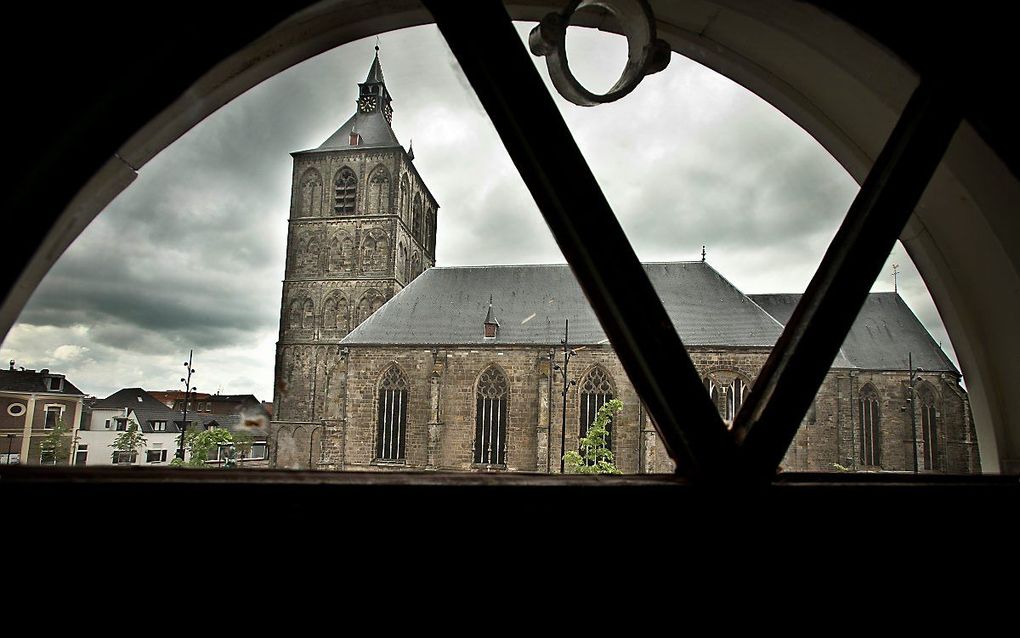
x: 895, y: 277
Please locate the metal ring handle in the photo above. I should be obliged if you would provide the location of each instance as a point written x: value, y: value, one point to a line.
x: 646, y: 54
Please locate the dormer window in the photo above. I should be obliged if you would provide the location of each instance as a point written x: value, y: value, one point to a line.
x: 54, y: 384
x: 158, y: 426
x: 355, y: 139
x: 490, y: 323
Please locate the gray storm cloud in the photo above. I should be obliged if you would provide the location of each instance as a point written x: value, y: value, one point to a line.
x: 191, y: 254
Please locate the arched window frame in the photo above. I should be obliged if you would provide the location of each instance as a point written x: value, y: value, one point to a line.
x: 869, y: 425
x: 392, y: 395
x: 728, y: 393
x: 375, y: 250
x: 928, y: 418
x: 310, y: 193
x: 371, y: 301
x: 379, y: 191
x: 346, y: 192
x: 416, y: 219
x: 308, y: 315
x: 596, y: 388
x: 492, y: 393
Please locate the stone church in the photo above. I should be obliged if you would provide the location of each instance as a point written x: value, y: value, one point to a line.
x: 387, y: 363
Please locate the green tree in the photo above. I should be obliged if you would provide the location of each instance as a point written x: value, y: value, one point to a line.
x: 201, y: 443
x: 595, y: 457
x: 129, y: 441
x: 56, y: 444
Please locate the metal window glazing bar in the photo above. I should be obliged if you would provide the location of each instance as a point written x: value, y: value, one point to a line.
x: 800, y: 360
x: 504, y: 78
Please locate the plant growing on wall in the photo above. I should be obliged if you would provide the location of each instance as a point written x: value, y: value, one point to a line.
x: 594, y: 456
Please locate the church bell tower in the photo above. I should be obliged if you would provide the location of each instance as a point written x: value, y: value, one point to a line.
x: 362, y: 226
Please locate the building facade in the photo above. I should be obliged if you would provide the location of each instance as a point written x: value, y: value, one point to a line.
x: 32, y: 404
x: 395, y: 365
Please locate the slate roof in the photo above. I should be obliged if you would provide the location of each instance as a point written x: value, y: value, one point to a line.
x: 33, y: 381
x: 883, y: 334
x: 447, y: 306
x: 144, y: 416
x: 174, y: 418
x: 373, y: 128
x: 129, y: 398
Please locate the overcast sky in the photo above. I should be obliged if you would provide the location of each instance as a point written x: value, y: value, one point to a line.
x: 192, y: 254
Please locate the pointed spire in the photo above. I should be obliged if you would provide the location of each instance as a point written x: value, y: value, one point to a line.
x: 491, y: 324
x: 375, y: 71
x: 410, y: 156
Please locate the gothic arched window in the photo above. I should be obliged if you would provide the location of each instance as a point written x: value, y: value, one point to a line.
x: 329, y: 314
x: 340, y: 256
x: 727, y: 391
x: 343, y: 314
x: 374, y: 250
x: 416, y: 218
x: 929, y: 427
x: 308, y: 256
x: 405, y: 199
x: 370, y: 302
x: 308, y: 315
x: 295, y: 314
x: 596, y: 389
x: 431, y: 245
x: 346, y: 192
x: 736, y: 392
x: 490, y: 417
x: 379, y: 191
x: 391, y: 425
x: 870, y: 423
x: 311, y: 194
x: 402, y: 261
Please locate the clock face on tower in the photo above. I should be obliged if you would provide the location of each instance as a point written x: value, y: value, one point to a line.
x: 367, y: 104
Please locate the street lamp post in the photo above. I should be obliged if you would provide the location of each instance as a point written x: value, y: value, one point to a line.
x: 187, y: 396
x: 567, y: 353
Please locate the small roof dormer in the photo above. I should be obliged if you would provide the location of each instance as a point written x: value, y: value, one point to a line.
x: 491, y: 324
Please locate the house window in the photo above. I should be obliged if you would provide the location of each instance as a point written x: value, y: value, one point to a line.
x: 870, y: 418
x: 490, y: 417
x: 596, y: 389
x: 258, y: 451
x: 392, y: 417
x: 47, y: 457
x: 346, y: 192
x: 16, y: 409
x: 108, y: 424
x: 124, y: 458
x: 55, y: 384
x: 158, y: 426
x: 929, y: 429
x: 122, y: 424
x: 53, y: 415
x: 155, y: 456
x: 81, y: 455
